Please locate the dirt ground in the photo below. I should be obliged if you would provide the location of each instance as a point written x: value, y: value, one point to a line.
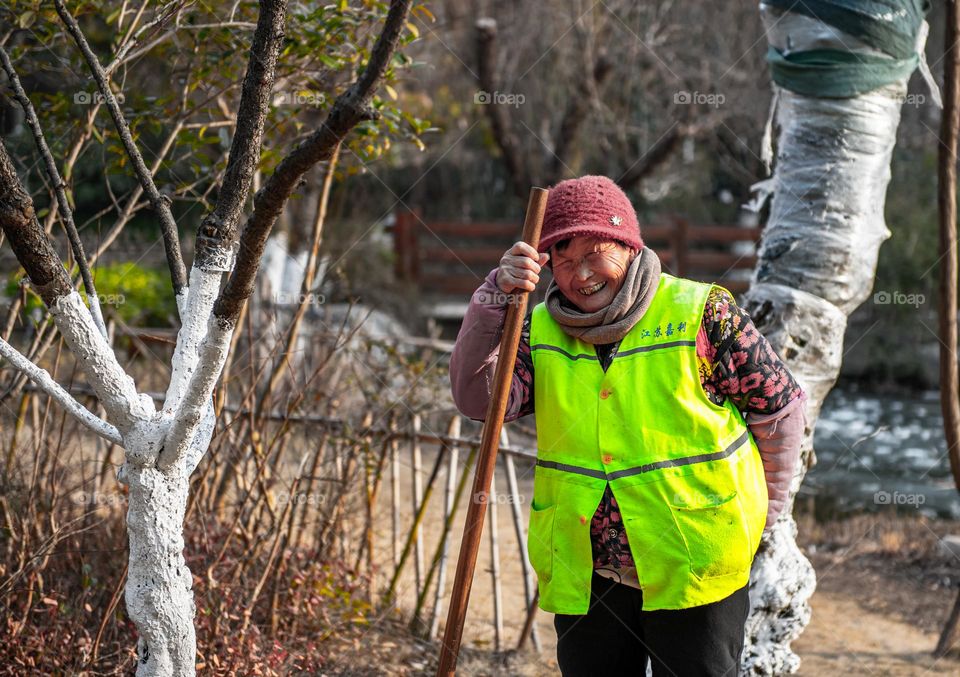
x: 845, y: 639
x: 884, y: 590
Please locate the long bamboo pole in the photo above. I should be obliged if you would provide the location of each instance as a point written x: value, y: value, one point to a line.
x: 493, y: 423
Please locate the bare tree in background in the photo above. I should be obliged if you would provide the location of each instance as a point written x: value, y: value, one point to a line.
x: 613, y: 85
x: 162, y: 448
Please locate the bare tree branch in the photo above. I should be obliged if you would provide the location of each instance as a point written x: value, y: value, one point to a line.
x: 46, y: 384
x: 659, y: 153
x: 218, y: 229
x: 306, y: 289
x: 29, y: 241
x: 123, y: 56
x: 33, y: 249
x: 349, y: 109
x: 502, y: 129
x: 59, y: 187
x: 217, y: 232
x: 160, y: 204
x: 576, y: 114
x: 131, y: 39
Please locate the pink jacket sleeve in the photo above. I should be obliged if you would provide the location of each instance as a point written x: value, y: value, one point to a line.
x: 778, y: 436
x: 474, y: 358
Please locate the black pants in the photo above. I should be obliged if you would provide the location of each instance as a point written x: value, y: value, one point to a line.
x: 616, y: 637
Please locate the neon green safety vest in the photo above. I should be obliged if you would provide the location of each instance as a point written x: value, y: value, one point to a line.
x: 686, y: 472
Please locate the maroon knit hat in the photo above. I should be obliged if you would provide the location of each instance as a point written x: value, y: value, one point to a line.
x: 590, y: 205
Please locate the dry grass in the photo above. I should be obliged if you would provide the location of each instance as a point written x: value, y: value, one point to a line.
x: 272, y: 506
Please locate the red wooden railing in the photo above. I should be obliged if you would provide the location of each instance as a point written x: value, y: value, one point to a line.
x: 449, y: 259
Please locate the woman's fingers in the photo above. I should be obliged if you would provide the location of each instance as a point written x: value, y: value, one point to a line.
x: 521, y: 277
x: 521, y: 262
x: 520, y: 268
x: 522, y: 248
x: 511, y: 279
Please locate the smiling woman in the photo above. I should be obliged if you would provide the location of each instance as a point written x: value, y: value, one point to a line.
x: 590, y: 270
x: 667, y: 434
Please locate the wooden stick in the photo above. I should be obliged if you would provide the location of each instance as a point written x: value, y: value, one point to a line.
x: 417, y: 500
x: 529, y: 584
x: 493, y: 422
x: 528, y: 624
x: 395, y: 498
x: 415, y: 532
x: 448, y: 508
x: 418, y: 624
x: 495, y: 567
x: 947, y: 203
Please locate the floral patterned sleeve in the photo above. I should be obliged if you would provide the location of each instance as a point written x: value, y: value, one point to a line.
x: 737, y: 362
x: 522, y: 374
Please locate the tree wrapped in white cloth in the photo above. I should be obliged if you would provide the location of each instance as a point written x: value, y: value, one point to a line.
x: 162, y: 448
x: 840, y: 71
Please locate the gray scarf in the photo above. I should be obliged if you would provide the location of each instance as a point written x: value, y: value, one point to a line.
x: 612, y: 322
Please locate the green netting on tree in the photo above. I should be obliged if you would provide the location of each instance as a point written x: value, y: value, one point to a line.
x: 832, y: 73
x: 886, y: 25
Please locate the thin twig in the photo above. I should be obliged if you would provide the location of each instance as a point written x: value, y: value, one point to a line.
x: 59, y: 188
x: 160, y: 203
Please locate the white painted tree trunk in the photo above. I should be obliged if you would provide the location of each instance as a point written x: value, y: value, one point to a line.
x: 817, y: 262
x: 159, y: 590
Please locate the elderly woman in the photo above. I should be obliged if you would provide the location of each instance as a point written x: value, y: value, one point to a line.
x: 667, y: 435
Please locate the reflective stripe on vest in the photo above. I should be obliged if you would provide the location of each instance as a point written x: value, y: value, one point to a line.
x: 686, y: 473
x: 636, y: 470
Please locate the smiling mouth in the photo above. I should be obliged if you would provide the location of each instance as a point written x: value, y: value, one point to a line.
x: 588, y: 291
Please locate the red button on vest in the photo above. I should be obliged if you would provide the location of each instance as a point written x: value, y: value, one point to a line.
x: 604, y: 394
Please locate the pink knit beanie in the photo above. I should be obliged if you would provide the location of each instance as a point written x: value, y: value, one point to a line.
x: 590, y: 205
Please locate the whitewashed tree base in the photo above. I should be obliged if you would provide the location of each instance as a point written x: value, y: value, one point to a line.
x: 781, y: 583
x: 159, y: 590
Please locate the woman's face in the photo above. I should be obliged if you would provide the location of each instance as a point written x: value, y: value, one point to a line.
x: 590, y: 270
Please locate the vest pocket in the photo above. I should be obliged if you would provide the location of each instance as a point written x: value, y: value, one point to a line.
x: 715, y: 535
x: 540, y: 541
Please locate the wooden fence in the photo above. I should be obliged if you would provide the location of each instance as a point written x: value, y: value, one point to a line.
x: 448, y: 260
